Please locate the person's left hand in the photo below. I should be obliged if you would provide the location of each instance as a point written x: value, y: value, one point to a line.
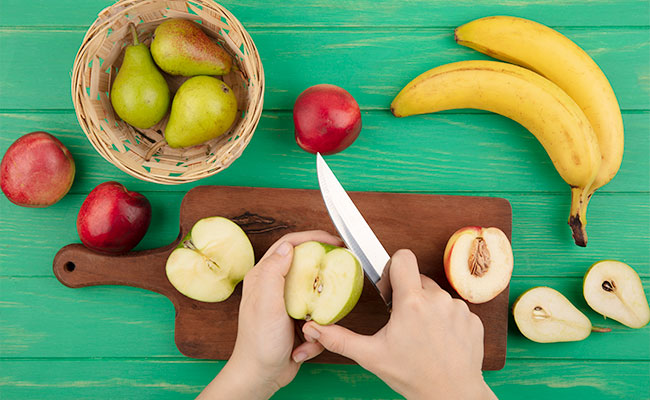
x: 264, y: 359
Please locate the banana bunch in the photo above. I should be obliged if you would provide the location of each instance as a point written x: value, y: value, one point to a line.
x: 567, y: 102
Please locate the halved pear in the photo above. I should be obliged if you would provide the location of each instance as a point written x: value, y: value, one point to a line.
x: 324, y: 283
x: 614, y: 289
x: 211, y: 260
x: 544, y: 315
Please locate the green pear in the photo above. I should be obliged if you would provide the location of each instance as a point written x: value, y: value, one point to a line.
x: 181, y: 48
x: 203, y: 108
x: 140, y: 95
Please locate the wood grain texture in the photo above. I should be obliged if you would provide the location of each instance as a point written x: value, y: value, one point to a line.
x: 372, y: 65
x: 40, y: 318
x: 208, y: 330
x: 542, y: 243
x: 173, y: 379
x: 367, y: 13
x: 455, y: 153
x: 58, y: 343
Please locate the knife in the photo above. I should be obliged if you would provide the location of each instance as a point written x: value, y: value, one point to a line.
x: 354, y: 230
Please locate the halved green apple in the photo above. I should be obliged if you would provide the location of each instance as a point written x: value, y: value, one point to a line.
x: 211, y: 260
x: 614, y: 289
x: 323, y: 284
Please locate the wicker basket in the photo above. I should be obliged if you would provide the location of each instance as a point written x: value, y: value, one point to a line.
x: 143, y: 153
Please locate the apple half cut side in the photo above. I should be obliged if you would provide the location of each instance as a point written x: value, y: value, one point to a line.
x: 614, y: 289
x: 211, y: 260
x: 324, y: 283
x: 544, y: 315
x: 478, y: 263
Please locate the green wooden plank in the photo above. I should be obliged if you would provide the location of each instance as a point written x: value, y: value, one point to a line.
x: 372, y: 65
x: 367, y: 13
x: 42, y: 318
x: 541, y: 238
x: 437, y: 153
x: 153, y: 379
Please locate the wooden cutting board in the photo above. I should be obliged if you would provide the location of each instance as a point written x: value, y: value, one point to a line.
x: 422, y: 223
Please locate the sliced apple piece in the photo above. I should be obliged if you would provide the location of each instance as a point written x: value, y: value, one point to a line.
x: 323, y: 284
x: 211, y: 260
x: 478, y: 263
x: 544, y: 315
x: 614, y: 289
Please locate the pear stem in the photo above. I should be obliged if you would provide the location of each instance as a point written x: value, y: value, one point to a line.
x: 134, y: 33
x: 599, y: 329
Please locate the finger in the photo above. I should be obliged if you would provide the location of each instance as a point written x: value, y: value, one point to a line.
x: 306, y: 351
x: 404, y: 274
x: 429, y: 284
x: 340, y: 340
x: 279, y: 261
x: 295, y: 238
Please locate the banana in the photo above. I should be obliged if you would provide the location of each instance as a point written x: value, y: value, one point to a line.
x: 521, y: 95
x: 553, y: 55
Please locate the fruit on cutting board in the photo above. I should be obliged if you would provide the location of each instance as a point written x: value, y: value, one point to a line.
x: 323, y: 284
x: 523, y: 96
x: 139, y: 95
x: 204, y: 108
x: 211, y: 260
x: 553, y: 55
x: 113, y: 219
x: 614, y: 289
x: 36, y: 171
x: 544, y: 315
x: 327, y: 119
x: 478, y: 263
x: 180, y: 47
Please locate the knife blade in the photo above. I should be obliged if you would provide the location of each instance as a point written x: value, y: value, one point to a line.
x: 354, y: 230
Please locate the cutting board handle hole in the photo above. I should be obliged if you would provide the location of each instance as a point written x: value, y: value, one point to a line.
x: 69, y: 266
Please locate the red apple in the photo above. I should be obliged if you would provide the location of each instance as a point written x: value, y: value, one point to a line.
x: 327, y: 119
x: 36, y: 171
x: 478, y: 263
x: 113, y: 219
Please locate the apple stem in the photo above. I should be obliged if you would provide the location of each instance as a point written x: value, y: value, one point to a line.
x: 134, y: 33
x: 599, y: 329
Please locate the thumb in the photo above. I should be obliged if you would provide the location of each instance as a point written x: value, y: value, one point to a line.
x: 279, y: 261
x: 340, y: 340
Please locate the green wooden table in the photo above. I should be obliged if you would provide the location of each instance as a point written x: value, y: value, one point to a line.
x: 117, y: 342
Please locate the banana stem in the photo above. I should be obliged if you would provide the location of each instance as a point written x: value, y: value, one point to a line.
x: 134, y: 33
x: 599, y: 329
x: 577, y: 220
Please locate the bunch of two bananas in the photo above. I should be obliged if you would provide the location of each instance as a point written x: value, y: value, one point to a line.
x: 567, y: 102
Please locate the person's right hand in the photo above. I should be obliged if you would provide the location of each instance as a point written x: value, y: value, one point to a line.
x: 432, y: 346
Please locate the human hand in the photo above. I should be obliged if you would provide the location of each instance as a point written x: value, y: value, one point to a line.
x: 432, y: 346
x: 264, y: 359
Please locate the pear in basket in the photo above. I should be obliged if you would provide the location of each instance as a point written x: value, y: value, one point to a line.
x: 180, y: 47
x: 139, y: 95
x: 203, y: 108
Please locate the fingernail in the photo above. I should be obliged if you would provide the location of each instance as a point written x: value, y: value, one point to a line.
x: 310, y: 331
x: 300, y: 357
x: 283, y: 249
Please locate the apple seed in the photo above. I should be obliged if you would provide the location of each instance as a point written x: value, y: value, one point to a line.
x: 479, y: 257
